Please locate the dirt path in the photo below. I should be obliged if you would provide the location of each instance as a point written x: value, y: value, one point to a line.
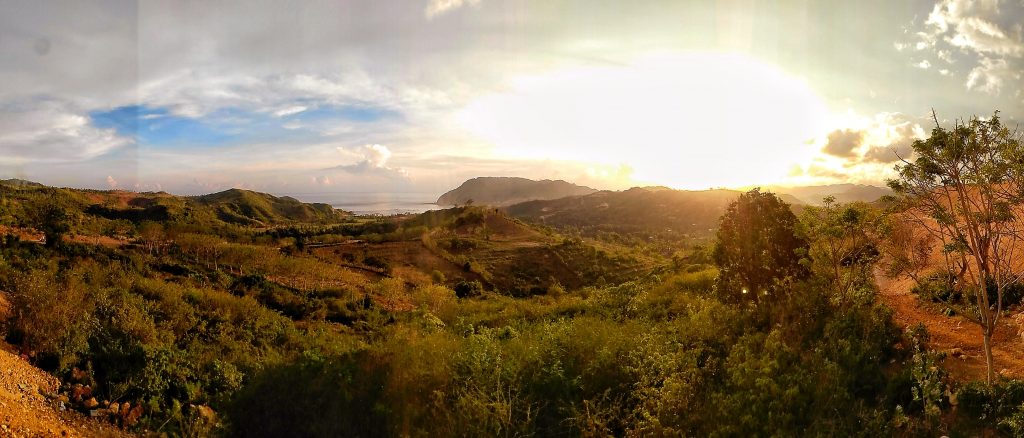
x: 958, y: 336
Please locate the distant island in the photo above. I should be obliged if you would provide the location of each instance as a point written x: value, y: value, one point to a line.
x: 502, y: 191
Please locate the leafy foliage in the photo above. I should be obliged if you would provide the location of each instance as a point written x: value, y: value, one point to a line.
x: 758, y: 246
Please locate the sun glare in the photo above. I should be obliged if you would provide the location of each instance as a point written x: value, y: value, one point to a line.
x: 693, y: 120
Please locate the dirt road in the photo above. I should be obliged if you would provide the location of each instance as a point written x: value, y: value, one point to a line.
x: 958, y: 336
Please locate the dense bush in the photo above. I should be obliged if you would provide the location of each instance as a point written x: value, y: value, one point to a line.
x: 627, y: 368
x: 468, y: 289
x: 939, y: 288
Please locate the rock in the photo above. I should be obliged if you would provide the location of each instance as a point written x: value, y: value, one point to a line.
x: 133, y: 416
x: 957, y: 353
x: 80, y: 392
x: 91, y: 403
x: 98, y: 413
x: 63, y: 399
x: 77, y: 374
x: 125, y: 407
x: 207, y: 414
x: 115, y: 408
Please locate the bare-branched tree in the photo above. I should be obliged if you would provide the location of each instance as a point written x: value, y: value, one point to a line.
x: 965, y: 186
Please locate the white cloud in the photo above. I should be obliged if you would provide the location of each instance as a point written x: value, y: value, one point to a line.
x: 987, y: 34
x: 287, y: 111
x: 370, y: 158
x: 863, y: 150
x: 440, y: 7
x: 111, y: 182
x: 991, y: 75
x: 377, y: 155
x: 52, y: 131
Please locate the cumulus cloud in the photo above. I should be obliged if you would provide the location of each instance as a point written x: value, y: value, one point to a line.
x: 863, y: 151
x: 888, y: 153
x: 111, y: 182
x: 987, y: 35
x: 52, y: 131
x: 439, y: 7
x: 843, y: 142
x: 889, y: 137
x: 370, y: 158
x: 991, y: 75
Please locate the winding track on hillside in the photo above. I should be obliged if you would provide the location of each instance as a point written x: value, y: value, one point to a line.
x: 957, y: 334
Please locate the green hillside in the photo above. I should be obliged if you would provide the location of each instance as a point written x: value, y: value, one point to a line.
x: 246, y: 207
x: 645, y: 213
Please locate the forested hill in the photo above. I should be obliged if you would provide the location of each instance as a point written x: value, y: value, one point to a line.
x: 641, y: 211
x: 253, y: 208
x: 24, y: 202
x: 499, y: 191
x: 843, y: 193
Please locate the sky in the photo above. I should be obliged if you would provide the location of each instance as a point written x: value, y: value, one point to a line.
x: 307, y: 98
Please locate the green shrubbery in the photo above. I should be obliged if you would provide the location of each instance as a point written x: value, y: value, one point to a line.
x: 620, y: 366
x: 297, y: 345
x: 153, y: 343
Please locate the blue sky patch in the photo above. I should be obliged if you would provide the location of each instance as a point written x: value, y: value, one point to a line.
x: 158, y: 127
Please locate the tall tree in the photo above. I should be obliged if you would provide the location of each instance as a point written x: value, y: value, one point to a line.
x: 758, y: 244
x: 966, y: 188
x: 842, y: 247
x: 54, y: 220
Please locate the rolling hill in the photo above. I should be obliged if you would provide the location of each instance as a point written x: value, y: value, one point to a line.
x: 812, y: 195
x: 253, y: 208
x: 501, y: 191
x: 18, y: 199
x: 646, y: 212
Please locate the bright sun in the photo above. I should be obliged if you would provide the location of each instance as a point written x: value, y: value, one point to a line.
x: 693, y: 120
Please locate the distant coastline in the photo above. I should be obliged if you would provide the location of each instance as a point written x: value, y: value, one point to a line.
x: 376, y: 203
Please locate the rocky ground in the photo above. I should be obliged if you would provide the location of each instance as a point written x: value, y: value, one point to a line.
x: 33, y: 404
x: 31, y: 407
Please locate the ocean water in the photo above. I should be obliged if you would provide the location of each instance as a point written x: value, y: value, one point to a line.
x: 375, y: 203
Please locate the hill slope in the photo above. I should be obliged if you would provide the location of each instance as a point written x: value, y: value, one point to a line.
x: 253, y: 208
x: 813, y: 195
x: 499, y: 191
x: 95, y: 209
x: 646, y: 212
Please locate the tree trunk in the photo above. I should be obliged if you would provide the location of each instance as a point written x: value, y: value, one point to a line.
x: 987, y: 335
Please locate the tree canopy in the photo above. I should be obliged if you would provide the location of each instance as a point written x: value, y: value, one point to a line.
x: 758, y: 245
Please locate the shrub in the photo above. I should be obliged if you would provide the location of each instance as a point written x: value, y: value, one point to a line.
x: 437, y: 276
x: 468, y: 289
x: 378, y: 263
